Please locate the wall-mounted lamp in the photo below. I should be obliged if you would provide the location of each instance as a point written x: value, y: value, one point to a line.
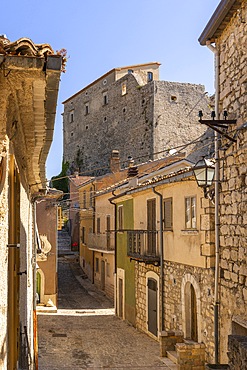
x: 204, y: 174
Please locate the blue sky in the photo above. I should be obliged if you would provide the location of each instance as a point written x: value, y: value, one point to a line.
x: 103, y: 34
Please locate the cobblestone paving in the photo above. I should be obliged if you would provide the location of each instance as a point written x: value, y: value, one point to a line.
x: 85, y: 333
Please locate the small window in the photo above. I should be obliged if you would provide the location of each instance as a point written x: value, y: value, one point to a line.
x: 84, y: 199
x: 72, y: 134
x: 130, y: 71
x: 71, y: 117
x: 190, y: 212
x: 108, y: 269
x: 174, y: 98
x: 91, y: 198
x: 150, y: 76
x: 96, y: 264
x: 105, y: 98
x: 168, y: 221
x: 120, y: 218
x: 83, y: 235
x: 124, y: 88
x: 98, y: 225
x: 87, y: 108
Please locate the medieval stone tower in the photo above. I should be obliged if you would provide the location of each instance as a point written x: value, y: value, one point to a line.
x: 128, y: 109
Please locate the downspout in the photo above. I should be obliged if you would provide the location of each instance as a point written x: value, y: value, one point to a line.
x: 161, y: 259
x: 217, y: 171
x: 93, y: 230
x: 35, y: 247
x: 115, y: 249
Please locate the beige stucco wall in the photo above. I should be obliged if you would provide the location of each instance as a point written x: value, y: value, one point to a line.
x: 180, y: 245
x: 108, y: 260
x: 86, y: 220
x: 47, y: 225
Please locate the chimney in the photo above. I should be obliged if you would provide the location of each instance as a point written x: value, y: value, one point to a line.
x: 115, y: 161
x: 132, y: 173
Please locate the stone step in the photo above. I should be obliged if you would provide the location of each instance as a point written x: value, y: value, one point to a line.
x: 172, y: 355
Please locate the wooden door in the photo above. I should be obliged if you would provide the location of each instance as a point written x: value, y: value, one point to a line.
x: 152, y: 307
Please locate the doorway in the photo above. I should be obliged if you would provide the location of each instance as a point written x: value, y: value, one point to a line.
x: 152, y: 306
x: 102, y: 274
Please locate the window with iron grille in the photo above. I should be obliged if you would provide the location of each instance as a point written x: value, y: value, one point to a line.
x: 168, y: 216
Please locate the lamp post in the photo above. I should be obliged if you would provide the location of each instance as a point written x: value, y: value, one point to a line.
x: 204, y: 174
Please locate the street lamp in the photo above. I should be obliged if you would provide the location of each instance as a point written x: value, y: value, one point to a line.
x: 204, y: 174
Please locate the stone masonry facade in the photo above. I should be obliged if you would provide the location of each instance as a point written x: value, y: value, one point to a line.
x: 147, y: 119
x: 233, y: 197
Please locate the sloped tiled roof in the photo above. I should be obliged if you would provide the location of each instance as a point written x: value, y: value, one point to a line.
x: 113, y: 180
x: 24, y: 46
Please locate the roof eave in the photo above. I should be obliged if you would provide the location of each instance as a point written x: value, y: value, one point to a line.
x: 215, y: 21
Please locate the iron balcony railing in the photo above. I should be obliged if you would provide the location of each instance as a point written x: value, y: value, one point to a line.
x: 102, y: 241
x: 143, y: 245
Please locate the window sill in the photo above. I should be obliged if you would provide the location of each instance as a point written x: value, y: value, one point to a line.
x: 190, y: 232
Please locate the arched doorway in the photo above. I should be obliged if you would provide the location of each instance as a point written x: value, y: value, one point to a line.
x: 152, y: 302
x: 191, y: 308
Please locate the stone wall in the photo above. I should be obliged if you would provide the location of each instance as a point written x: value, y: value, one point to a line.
x: 3, y: 262
x: 145, y: 120
x: 141, y: 293
x: 203, y: 283
x: 237, y: 352
x: 233, y: 197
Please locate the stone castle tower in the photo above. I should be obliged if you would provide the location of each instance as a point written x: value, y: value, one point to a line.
x: 128, y: 109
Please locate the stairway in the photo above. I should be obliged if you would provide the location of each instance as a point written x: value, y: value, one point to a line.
x: 63, y: 243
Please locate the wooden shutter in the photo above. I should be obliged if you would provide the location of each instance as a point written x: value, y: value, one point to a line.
x: 168, y: 222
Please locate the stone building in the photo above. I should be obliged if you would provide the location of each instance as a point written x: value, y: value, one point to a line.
x: 131, y: 110
x: 29, y: 80
x: 226, y: 35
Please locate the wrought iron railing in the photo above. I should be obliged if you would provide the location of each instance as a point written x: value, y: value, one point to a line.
x: 102, y: 241
x: 143, y: 245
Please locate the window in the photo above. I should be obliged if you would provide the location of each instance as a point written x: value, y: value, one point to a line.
x: 83, y: 234
x: 108, y: 269
x: 120, y: 217
x: 84, y: 199
x: 98, y: 225
x: 190, y: 212
x: 150, y: 76
x: 105, y: 98
x: 168, y: 222
x: 96, y: 264
x: 124, y: 88
x: 91, y: 198
x: 71, y: 116
x: 87, y: 108
x: 130, y: 71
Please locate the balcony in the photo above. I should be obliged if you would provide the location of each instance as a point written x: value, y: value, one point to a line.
x: 142, y: 245
x: 103, y: 241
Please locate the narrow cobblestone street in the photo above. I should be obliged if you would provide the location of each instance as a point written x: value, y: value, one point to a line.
x: 85, y: 333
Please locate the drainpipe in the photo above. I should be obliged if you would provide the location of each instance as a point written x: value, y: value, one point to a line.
x: 35, y: 247
x: 217, y: 171
x: 161, y: 259
x: 93, y: 230
x: 115, y: 254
